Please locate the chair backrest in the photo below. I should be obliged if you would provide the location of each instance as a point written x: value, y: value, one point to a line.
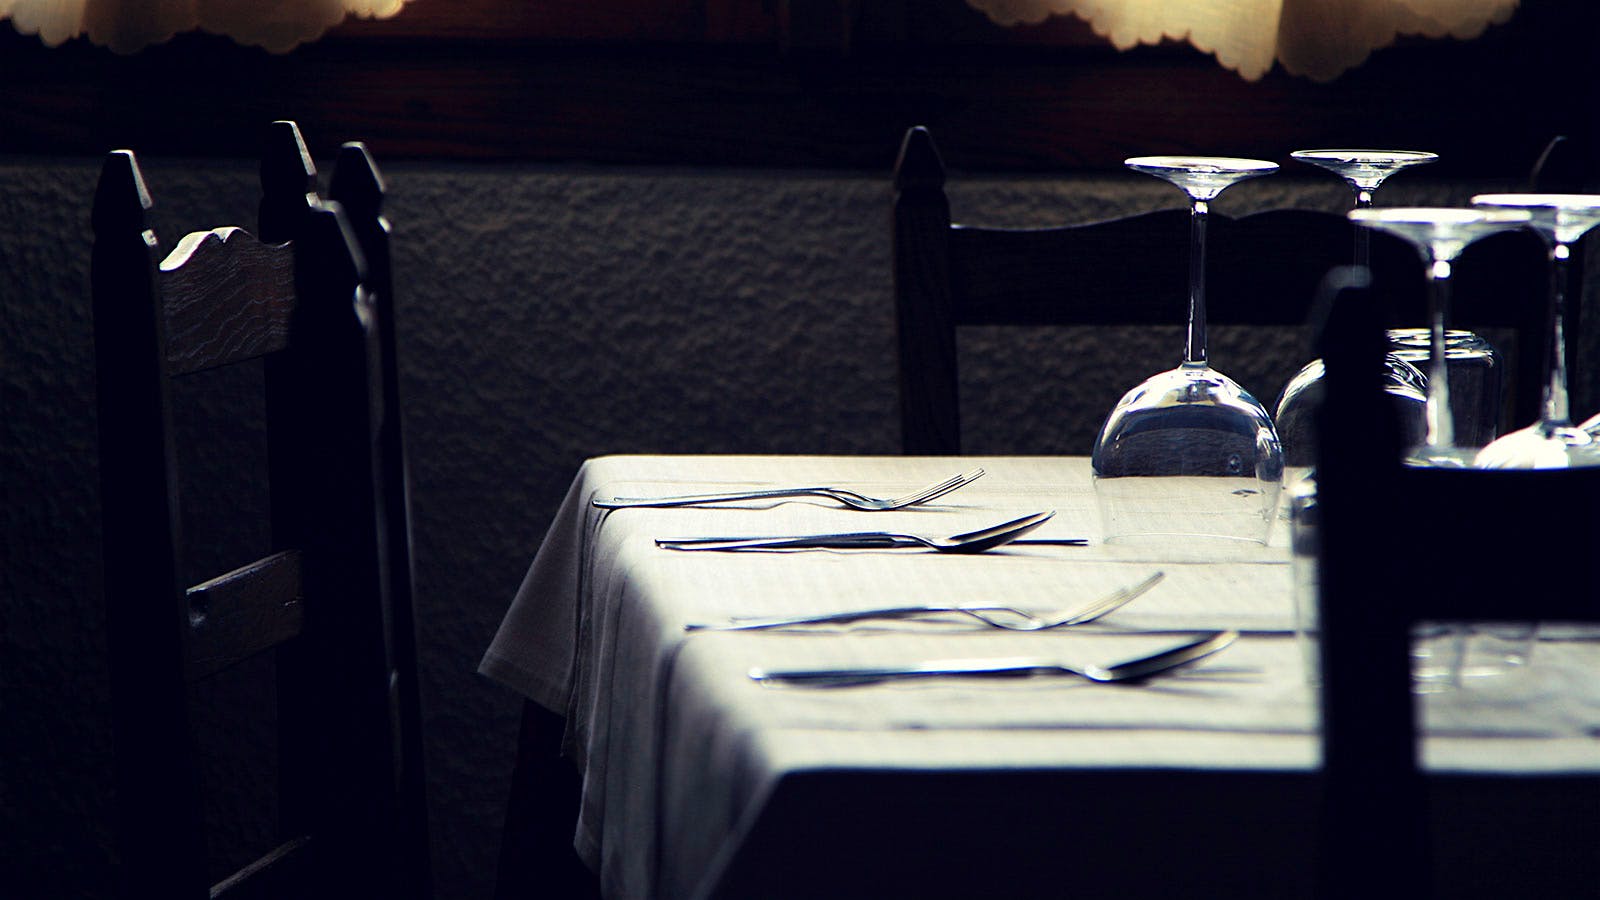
x: 319, y: 602
x: 1498, y: 546
x: 1263, y: 269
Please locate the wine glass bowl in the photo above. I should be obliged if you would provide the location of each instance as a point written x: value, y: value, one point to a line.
x: 1188, y: 451
x: 1296, y: 413
x: 1553, y: 441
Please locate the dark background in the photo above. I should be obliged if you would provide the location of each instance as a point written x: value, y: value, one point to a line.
x: 625, y: 227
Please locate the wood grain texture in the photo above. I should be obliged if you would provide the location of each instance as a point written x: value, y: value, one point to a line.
x: 244, y: 612
x: 228, y: 297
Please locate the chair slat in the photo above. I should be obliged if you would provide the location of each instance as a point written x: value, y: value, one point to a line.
x: 245, y: 612
x: 227, y: 298
x: 1034, y: 276
x: 1125, y: 271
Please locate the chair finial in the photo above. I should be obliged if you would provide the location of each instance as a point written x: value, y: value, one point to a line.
x: 288, y: 183
x: 120, y: 198
x: 918, y: 165
x: 356, y: 182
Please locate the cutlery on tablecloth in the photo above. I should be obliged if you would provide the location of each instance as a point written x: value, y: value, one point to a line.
x: 1129, y: 670
x: 847, y: 497
x: 1007, y: 618
x: 970, y: 542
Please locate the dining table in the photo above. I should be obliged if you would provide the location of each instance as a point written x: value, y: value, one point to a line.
x: 701, y: 781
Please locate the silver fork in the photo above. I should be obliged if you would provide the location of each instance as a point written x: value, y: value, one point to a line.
x: 1130, y: 670
x: 1023, y: 621
x: 847, y: 497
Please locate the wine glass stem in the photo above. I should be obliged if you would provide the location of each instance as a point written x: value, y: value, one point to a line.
x: 1556, y: 413
x: 1363, y: 254
x: 1441, y: 425
x: 1194, y: 349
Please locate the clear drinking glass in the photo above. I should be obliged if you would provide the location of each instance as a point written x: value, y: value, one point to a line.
x: 1552, y: 442
x: 1440, y: 234
x: 1295, y: 416
x: 1477, y: 378
x: 1188, y: 452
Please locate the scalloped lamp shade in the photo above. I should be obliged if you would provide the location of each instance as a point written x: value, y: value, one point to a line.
x: 1317, y: 39
x: 126, y: 26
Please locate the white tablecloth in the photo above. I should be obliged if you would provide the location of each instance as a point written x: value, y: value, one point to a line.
x: 680, y: 750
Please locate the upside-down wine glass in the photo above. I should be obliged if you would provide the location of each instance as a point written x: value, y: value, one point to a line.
x: 1188, y: 452
x: 1552, y: 442
x: 1295, y: 413
x: 1470, y: 356
x: 1440, y: 234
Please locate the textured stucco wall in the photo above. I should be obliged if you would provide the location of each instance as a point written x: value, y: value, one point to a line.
x: 545, y: 315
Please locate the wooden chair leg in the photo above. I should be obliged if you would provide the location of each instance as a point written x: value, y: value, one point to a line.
x: 536, y: 855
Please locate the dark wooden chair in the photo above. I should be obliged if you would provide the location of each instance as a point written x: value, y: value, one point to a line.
x: 1475, y: 537
x: 347, y: 802
x: 359, y: 188
x: 1263, y: 269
